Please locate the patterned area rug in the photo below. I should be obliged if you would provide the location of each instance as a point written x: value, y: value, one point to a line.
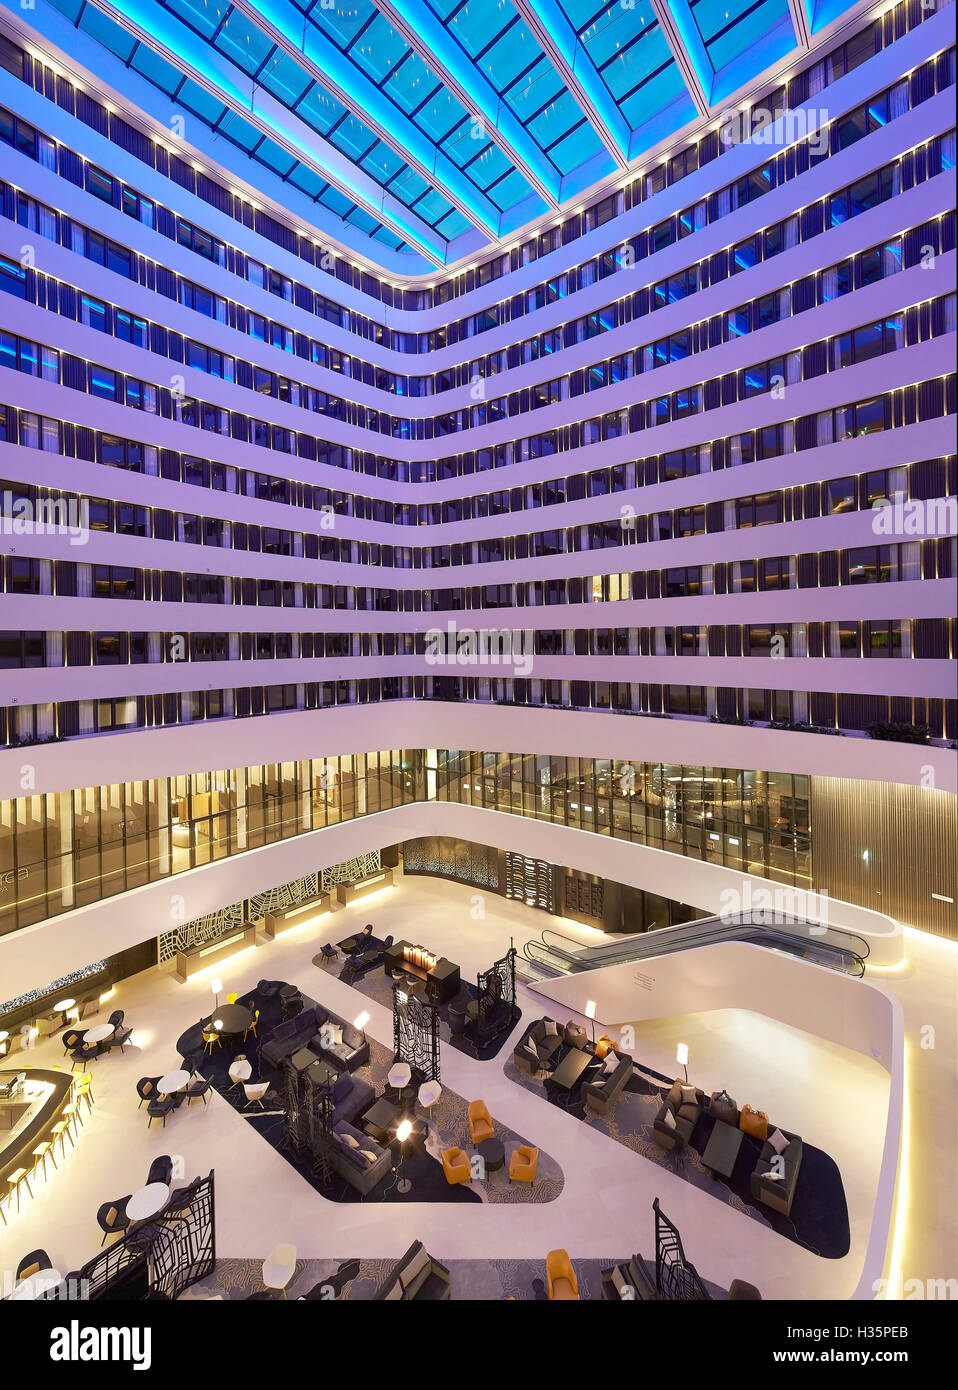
x: 819, y: 1217
x: 373, y: 981
x: 470, y: 1280
x: 447, y: 1127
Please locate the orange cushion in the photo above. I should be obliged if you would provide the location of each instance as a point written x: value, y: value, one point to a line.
x: 753, y: 1122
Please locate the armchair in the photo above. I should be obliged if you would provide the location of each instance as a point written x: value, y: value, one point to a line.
x: 561, y: 1283
x: 523, y: 1162
x: 456, y: 1166
x: 480, y: 1122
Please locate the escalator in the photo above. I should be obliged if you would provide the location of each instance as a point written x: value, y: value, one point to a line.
x: 554, y: 954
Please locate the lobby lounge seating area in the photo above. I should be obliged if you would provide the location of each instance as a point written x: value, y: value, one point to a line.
x: 416, y: 1276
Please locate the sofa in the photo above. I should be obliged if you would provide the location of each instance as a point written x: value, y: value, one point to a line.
x: 416, y: 1275
x: 351, y: 1053
x: 544, y: 1044
x: 287, y: 1038
x: 685, y: 1115
x: 601, y: 1093
x: 351, y: 1096
x: 777, y: 1193
x: 351, y: 1161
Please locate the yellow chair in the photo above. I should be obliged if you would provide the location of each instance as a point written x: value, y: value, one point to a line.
x: 232, y: 998
x: 252, y: 1027
x: 480, y: 1122
x: 456, y: 1166
x: 560, y: 1277
x: 211, y: 1040
x: 71, y: 1112
x: 40, y: 1155
x: 18, y: 1176
x: 523, y: 1163
x: 83, y: 1088
x: 61, y: 1131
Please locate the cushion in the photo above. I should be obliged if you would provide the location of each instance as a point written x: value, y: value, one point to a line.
x: 688, y: 1095
x: 772, y: 1176
x: 620, y: 1281
x: 531, y: 1053
x: 754, y: 1122
x: 111, y: 1216
x: 668, y: 1119
x: 415, y: 1267
x: 368, y: 1153
x: 332, y: 1034
x: 341, y: 1088
x: 394, y: 1292
x: 552, y: 1029
x: 350, y: 1140
x: 610, y: 1064
x: 689, y: 1113
x: 778, y: 1141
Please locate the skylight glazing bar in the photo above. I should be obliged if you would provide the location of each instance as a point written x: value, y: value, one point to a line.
x: 801, y: 23
x: 151, y: 25
x: 688, y: 50
x: 562, y: 46
x: 422, y: 31
x: 325, y: 64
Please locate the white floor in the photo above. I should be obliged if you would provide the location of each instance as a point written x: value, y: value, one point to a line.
x: 605, y: 1207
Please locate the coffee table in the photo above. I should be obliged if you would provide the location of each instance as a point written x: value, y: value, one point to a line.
x: 493, y: 1154
x: 302, y: 1059
x: 571, y: 1068
x: 721, y: 1151
x: 380, y: 1118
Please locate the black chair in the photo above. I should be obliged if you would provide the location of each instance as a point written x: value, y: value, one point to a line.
x: 71, y: 1040
x: 146, y: 1088
x: 159, y: 1109
x: 198, y: 1087
x: 181, y: 1198
x: 268, y: 989
x: 387, y: 943
x: 120, y: 1038
x: 344, y: 1275
x: 161, y: 1170
x: 457, y: 1019
x: 34, y: 1263
x: 292, y: 1005
x: 86, y: 1053
x: 328, y: 953
x: 116, y: 1018
x: 112, y: 1218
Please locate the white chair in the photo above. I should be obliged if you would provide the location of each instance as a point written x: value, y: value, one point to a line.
x: 240, y: 1071
x: 255, y: 1093
x: 429, y: 1093
x: 279, y: 1267
x: 399, y: 1075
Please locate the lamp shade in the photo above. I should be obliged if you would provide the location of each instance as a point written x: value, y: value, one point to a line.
x: 590, y: 1008
x: 404, y: 1131
x: 216, y: 985
x: 361, y: 1021
x: 682, y: 1054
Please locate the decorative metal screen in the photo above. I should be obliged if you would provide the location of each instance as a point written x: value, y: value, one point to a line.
x: 450, y: 858
x: 676, y: 1280
x: 286, y: 895
x: 352, y: 869
x: 582, y: 897
x: 529, y: 880
x: 416, y: 1034
x: 497, y: 998
x: 161, y: 1257
x: 200, y: 931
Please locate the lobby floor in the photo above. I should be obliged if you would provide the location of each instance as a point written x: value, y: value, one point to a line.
x: 605, y: 1207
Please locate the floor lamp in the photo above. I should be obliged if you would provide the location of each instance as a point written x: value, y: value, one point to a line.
x: 682, y: 1057
x: 590, y: 1015
x: 402, y: 1134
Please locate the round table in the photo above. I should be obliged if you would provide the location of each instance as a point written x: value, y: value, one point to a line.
x: 172, y: 1082
x: 147, y: 1201
x: 493, y: 1154
x: 62, y: 1005
x: 37, y: 1284
x: 100, y: 1033
x: 235, y: 1018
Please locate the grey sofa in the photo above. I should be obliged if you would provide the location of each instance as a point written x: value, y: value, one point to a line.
x: 416, y: 1275
x: 544, y: 1044
x: 287, y: 1038
x: 350, y: 1162
x: 602, y: 1093
x: 778, y: 1194
x: 351, y: 1096
x: 351, y: 1053
x: 686, y: 1117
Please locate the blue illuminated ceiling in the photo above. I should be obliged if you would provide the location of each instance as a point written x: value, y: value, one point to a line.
x: 417, y: 132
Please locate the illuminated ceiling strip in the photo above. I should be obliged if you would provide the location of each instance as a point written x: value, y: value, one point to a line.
x: 200, y: 63
x: 801, y: 23
x: 324, y: 63
x: 570, y: 58
x: 683, y: 38
x: 455, y: 69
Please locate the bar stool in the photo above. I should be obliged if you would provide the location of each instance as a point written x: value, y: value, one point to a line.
x: 61, y: 1131
x: 3, y: 1198
x: 41, y: 1153
x: 72, y: 1112
x: 18, y: 1176
x: 83, y: 1089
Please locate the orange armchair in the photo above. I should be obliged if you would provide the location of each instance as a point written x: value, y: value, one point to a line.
x: 480, y: 1122
x: 456, y: 1166
x: 560, y: 1276
x: 522, y: 1163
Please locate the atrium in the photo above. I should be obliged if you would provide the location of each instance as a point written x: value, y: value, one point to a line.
x: 323, y: 927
